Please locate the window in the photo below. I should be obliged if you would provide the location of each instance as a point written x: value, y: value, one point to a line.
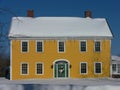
x: 24, y: 68
x: 98, y: 68
x: 24, y: 46
x: 61, y: 46
x: 83, y: 68
x: 39, y: 68
x: 97, y: 46
x: 114, y: 67
x: 39, y: 46
x: 83, y: 46
x: 118, y: 68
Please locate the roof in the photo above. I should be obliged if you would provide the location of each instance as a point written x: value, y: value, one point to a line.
x: 59, y: 27
x: 115, y: 58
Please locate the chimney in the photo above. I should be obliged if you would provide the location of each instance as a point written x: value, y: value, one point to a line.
x: 88, y: 14
x: 30, y: 13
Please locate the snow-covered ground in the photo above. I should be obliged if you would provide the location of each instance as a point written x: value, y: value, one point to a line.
x: 60, y: 84
x: 81, y: 82
x: 56, y: 87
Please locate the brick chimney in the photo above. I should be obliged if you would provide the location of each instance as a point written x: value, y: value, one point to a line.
x: 88, y: 13
x: 30, y: 13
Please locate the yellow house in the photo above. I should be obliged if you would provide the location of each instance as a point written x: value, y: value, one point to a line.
x: 59, y: 47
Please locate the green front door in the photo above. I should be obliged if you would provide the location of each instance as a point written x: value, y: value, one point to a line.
x: 61, y: 69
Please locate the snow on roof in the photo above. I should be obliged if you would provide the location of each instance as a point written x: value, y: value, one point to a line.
x: 59, y: 27
x: 115, y: 58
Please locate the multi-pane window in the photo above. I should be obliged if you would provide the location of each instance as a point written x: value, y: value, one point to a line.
x: 39, y: 46
x: 83, y: 68
x: 97, y: 46
x: 98, y: 68
x: 24, y: 68
x: 61, y: 46
x: 24, y: 46
x: 39, y: 68
x: 83, y: 46
x: 114, y: 68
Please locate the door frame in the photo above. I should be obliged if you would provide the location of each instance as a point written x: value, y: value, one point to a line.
x: 54, y: 68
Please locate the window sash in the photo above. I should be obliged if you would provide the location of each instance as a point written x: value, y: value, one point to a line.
x: 114, y: 67
x: 39, y: 68
x: 24, y: 68
x: 83, y: 68
x: 98, y: 68
x: 97, y: 46
x: 61, y: 46
x: 39, y: 46
x: 83, y: 45
x: 24, y: 46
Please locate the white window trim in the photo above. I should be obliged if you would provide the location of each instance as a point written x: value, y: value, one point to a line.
x: 21, y: 68
x: 42, y: 45
x: 27, y: 46
x: 80, y: 45
x: 36, y: 68
x: 86, y: 68
x: 58, y: 46
x: 116, y: 68
x: 95, y: 68
x: 100, y: 46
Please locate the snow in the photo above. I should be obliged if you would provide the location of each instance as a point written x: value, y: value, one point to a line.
x: 50, y: 27
x: 60, y: 84
x: 57, y: 87
x: 115, y: 58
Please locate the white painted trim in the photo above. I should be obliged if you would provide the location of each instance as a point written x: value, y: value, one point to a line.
x: 11, y: 60
x: 100, y: 46
x: 68, y: 68
x: 27, y: 46
x: 116, y: 68
x: 58, y: 46
x: 36, y: 68
x: 95, y: 68
x: 86, y: 68
x: 21, y: 68
x: 80, y: 45
x: 42, y: 45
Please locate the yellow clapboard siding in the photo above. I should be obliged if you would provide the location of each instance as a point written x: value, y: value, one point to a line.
x: 72, y: 54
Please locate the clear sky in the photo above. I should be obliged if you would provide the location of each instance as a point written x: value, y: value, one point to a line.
x: 109, y: 9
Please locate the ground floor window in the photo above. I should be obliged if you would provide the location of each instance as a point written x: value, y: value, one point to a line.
x: 83, y: 68
x: 98, y: 67
x: 24, y: 68
x: 116, y: 68
x: 39, y: 68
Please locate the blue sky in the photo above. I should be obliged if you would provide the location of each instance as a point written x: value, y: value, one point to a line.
x: 109, y: 9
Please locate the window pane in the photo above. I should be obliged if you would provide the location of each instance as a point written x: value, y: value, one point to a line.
x: 39, y: 46
x: 24, y: 46
x: 83, y: 46
x: 39, y: 68
x: 97, y: 46
x: 97, y: 67
x: 24, y: 68
x: 83, y: 68
x: 114, y: 67
x: 118, y: 68
x: 61, y: 46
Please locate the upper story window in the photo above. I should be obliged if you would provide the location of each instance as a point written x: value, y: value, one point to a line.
x: 24, y: 46
x: 83, y: 46
x: 98, y: 68
x: 24, y: 68
x: 97, y: 45
x: 61, y: 46
x: 83, y: 68
x: 39, y: 46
